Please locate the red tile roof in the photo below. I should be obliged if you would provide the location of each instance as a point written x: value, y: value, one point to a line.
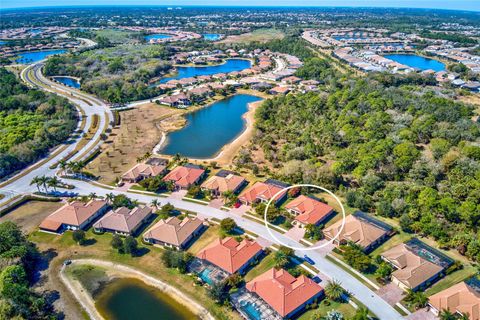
x: 260, y: 190
x: 184, y: 176
x: 310, y: 211
x: 229, y: 254
x: 282, y: 291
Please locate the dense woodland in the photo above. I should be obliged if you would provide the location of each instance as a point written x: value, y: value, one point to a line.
x: 31, y: 122
x: 117, y: 74
x: 399, y: 151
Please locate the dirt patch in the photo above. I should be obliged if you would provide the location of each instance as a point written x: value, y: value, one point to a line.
x: 139, y: 131
x: 261, y: 35
x: 30, y: 214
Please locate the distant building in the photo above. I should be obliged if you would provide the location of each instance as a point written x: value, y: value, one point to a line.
x: 309, y: 210
x: 462, y: 298
x: 360, y: 228
x: 230, y: 255
x: 123, y: 221
x: 74, y: 216
x: 286, y: 294
x: 185, y: 176
x: 173, y: 232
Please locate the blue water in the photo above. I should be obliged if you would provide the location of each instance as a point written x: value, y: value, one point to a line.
x: 211, y: 36
x: 251, y: 311
x: 157, y: 36
x: 229, y: 66
x: 2, y: 43
x: 204, y: 275
x: 418, y: 62
x: 70, y: 82
x: 209, y: 129
x: 30, y: 57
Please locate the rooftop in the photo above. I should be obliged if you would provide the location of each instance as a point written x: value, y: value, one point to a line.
x: 173, y: 230
x: 123, y: 219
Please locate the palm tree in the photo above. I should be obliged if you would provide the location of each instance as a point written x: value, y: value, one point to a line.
x: 63, y: 165
x: 43, y: 181
x: 446, y: 315
x: 361, y: 314
x: 416, y: 300
x: 53, y: 182
x: 36, y: 181
x: 92, y: 195
x: 334, y: 290
x: 155, y: 203
x: 109, y: 197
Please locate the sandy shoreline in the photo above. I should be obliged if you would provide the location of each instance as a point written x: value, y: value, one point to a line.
x: 123, y: 271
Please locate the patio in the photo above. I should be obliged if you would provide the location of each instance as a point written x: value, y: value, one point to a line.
x: 252, y: 307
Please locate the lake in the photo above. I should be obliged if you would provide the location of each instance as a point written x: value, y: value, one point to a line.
x: 230, y: 65
x: 209, y: 129
x: 132, y: 299
x: 157, y: 36
x: 69, y: 82
x: 414, y: 61
x: 211, y: 36
x: 30, y: 57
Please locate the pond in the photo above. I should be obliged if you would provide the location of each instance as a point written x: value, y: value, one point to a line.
x: 30, y: 57
x: 68, y: 81
x: 132, y: 299
x: 230, y: 65
x: 209, y: 129
x: 157, y: 36
x: 211, y: 36
x: 415, y: 61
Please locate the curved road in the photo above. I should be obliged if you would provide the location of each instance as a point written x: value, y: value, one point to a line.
x: 90, y: 106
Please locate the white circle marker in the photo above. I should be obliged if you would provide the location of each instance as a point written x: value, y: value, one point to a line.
x: 309, y: 186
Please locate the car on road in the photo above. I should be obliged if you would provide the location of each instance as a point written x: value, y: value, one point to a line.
x: 307, y: 258
x: 316, y: 279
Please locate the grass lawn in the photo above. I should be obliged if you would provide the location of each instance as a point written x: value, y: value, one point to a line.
x: 452, y: 279
x: 30, y: 214
x: 397, y: 239
x: 149, y: 262
x: 346, y: 309
x: 118, y: 36
x: 264, y: 265
x: 260, y: 35
x: 205, y: 239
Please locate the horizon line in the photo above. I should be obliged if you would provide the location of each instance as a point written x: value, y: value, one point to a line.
x: 235, y: 6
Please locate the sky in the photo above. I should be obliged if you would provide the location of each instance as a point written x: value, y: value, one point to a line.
x: 473, y: 5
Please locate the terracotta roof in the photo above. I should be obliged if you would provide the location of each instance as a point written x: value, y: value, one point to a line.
x: 184, y: 176
x: 221, y: 184
x: 229, y: 254
x: 123, y: 219
x: 459, y: 298
x: 143, y: 169
x: 412, y: 270
x: 310, y: 210
x: 355, y: 230
x: 74, y: 214
x: 173, y: 230
x: 261, y: 190
x: 282, y: 291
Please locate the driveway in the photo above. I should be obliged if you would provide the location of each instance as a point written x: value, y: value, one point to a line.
x: 296, y: 233
x: 216, y: 203
x: 180, y: 194
x: 241, y: 210
x: 391, y: 293
x: 326, y: 249
x: 422, y: 314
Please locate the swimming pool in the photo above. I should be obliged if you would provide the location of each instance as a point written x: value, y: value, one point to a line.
x: 205, y: 276
x: 250, y: 310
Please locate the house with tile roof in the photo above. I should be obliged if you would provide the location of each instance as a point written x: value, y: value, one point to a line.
x: 361, y: 229
x: 142, y: 171
x: 224, y: 181
x: 123, y: 221
x: 185, y: 176
x: 173, y: 232
x: 262, y: 192
x: 230, y: 255
x: 76, y: 215
x: 416, y: 264
x: 287, y: 295
x: 308, y: 210
x: 462, y: 298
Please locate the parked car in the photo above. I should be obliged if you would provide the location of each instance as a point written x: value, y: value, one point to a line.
x: 316, y: 279
x: 67, y: 262
x: 237, y: 204
x: 306, y: 258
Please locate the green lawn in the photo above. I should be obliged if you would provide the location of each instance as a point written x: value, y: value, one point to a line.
x: 452, y: 279
x: 265, y: 264
x: 207, y: 237
x: 346, y: 309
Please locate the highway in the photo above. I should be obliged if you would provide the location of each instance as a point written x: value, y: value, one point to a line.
x: 90, y: 105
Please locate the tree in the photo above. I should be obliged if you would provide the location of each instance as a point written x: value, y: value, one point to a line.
x: 196, y: 192
x: 110, y: 197
x: 79, y: 236
x: 334, y: 291
x: 384, y: 271
x: 416, y: 300
x: 355, y: 257
x: 53, y: 182
x: 167, y: 209
x: 177, y: 259
x: 228, y: 225
x: 361, y: 314
x: 155, y: 203
x: 117, y: 243
x: 313, y: 232
x: 446, y: 315
x: 219, y: 292
x: 36, y: 181
x: 130, y: 246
